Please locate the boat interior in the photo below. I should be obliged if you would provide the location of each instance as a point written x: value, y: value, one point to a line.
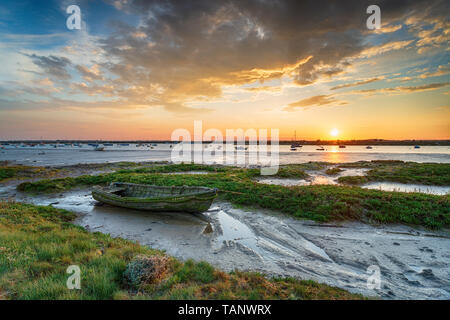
x: 138, y: 191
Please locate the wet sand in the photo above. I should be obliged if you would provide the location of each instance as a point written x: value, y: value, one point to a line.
x: 414, y: 263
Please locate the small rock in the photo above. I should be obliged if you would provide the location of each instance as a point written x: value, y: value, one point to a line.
x: 149, y: 229
x: 427, y: 273
x: 208, y: 229
x: 396, y: 244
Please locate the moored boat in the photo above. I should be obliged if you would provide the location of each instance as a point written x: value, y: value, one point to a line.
x: 156, y: 198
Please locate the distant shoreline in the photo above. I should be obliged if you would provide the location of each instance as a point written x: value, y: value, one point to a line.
x: 374, y: 142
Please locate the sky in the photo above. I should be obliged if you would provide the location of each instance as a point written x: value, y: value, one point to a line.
x: 141, y: 69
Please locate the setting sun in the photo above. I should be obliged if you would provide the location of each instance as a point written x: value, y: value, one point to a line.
x: 334, y: 132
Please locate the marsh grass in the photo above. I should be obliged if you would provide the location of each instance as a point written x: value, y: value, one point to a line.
x: 399, y: 171
x: 292, y: 171
x: 333, y: 171
x: 6, y: 173
x: 24, y: 172
x: 315, y: 202
x: 37, y: 244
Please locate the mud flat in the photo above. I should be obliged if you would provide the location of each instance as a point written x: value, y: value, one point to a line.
x: 414, y: 262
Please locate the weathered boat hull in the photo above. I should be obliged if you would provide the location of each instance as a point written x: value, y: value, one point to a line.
x: 156, y: 198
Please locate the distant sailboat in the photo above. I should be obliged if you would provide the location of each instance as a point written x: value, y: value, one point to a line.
x: 416, y: 147
x: 320, y: 149
x: 295, y: 145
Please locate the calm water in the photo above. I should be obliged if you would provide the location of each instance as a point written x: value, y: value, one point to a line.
x: 69, y: 155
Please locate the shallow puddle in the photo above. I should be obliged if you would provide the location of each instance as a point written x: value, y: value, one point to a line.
x: 414, y: 263
x: 319, y: 177
x: 399, y: 187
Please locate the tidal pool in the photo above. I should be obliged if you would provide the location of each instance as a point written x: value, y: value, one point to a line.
x: 319, y: 177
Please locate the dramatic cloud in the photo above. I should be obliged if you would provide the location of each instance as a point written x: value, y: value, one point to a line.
x: 388, y: 29
x: 90, y: 74
x: 441, y: 71
x: 396, y: 90
x: 263, y: 88
x: 359, y: 83
x: 319, y: 100
x: 52, y: 65
x: 184, y: 52
x: 396, y: 45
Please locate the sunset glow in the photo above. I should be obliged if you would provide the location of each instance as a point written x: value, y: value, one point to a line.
x: 129, y: 74
x: 334, y: 132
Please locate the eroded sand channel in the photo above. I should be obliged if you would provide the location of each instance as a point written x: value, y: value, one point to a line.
x: 414, y: 263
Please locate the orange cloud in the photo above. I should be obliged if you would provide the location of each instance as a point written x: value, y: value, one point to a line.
x: 319, y: 100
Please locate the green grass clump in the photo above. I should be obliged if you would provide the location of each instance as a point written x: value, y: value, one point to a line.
x: 177, y: 168
x: 333, y: 171
x: 399, y: 171
x: 353, y: 180
x: 37, y: 244
x: 23, y: 172
x: 409, y: 172
x: 6, y: 173
x: 292, y: 171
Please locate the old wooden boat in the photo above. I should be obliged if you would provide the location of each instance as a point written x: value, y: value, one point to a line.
x: 156, y: 198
